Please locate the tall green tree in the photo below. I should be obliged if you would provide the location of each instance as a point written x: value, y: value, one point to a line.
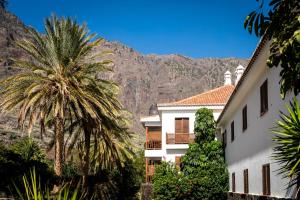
x: 59, y: 80
x: 204, y: 162
x: 279, y: 22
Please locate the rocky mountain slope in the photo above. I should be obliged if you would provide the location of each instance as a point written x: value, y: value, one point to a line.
x: 144, y: 79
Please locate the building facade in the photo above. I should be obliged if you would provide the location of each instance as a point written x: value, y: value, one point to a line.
x: 170, y: 129
x: 246, y: 123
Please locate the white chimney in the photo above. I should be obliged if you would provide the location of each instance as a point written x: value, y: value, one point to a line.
x: 239, y: 72
x: 227, y: 78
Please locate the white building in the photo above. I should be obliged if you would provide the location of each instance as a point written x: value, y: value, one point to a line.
x: 246, y: 123
x: 170, y: 129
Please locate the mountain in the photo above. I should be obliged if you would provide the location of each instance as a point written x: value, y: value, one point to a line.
x: 144, y: 79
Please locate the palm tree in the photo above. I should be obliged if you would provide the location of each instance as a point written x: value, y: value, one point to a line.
x: 59, y: 81
x: 287, y: 139
x: 100, y: 147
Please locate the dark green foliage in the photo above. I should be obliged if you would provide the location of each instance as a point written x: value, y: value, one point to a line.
x: 287, y: 139
x: 14, y: 165
x: 281, y: 25
x: 204, y: 165
x: 28, y: 149
x: 203, y: 171
x: 3, y: 3
x: 120, y: 183
x: 204, y: 126
x: 170, y: 184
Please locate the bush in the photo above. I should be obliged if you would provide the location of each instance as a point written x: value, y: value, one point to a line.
x: 170, y: 184
x: 18, y: 160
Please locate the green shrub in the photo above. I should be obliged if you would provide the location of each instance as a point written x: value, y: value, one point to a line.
x: 171, y: 184
x: 18, y: 160
x: 33, y: 190
x: 28, y: 149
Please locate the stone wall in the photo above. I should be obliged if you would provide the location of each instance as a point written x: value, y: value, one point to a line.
x: 241, y: 196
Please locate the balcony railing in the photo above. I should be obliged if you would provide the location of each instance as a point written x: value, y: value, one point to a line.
x: 153, y: 145
x: 180, y: 138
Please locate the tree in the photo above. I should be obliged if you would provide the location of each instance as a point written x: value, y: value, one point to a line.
x: 287, y: 139
x: 59, y: 80
x: 203, y: 162
x: 3, y: 3
x: 281, y: 25
x: 203, y: 170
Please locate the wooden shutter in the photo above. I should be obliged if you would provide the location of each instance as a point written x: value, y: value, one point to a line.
x: 178, y: 127
x: 181, y: 125
x: 177, y: 161
x: 225, y: 138
x: 233, y: 182
x: 232, y: 131
x: 245, y: 118
x: 266, y: 179
x: 185, y: 125
x: 264, y: 97
x: 246, y: 181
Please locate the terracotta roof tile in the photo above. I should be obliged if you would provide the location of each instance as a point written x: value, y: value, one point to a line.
x: 217, y: 96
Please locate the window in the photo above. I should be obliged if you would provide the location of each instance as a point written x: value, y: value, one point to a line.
x: 264, y: 98
x: 245, y: 118
x: 181, y: 125
x: 246, y: 182
x: 232, y: 131
x: 225, y: 138
x: 266, y: 179
x: 233, y: 182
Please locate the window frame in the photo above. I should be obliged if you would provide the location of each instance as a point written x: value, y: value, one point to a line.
x: 245, y: 118
x: 233, y: 184
x: 232, y: 131
x: 246, y: 181
x: 266, y: 179
x: 225, y: 138
x: 264, y: 99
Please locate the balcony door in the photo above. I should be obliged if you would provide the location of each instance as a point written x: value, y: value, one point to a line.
x: 181, y: 125
x: 181, y: 130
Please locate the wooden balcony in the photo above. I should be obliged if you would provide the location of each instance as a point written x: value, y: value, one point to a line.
x: 153, y: 145
x: 180, y: 138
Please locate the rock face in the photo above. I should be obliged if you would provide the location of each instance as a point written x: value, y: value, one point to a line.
x: 144, y: 79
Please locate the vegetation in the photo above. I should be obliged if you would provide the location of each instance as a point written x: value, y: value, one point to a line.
x: 3, y: 3
x: 171, y: 184
x: 33, y: 190
x: 60, y: 88
x: 18, y: 159
x: 281, y: 25
x: 287, y: 138
x: 203, y: 172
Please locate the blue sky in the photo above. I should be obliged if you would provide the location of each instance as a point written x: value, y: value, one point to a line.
x: 194, y: 28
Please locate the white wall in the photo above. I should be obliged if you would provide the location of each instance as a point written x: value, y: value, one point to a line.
x: 253, y: 147
x: 168, y: 126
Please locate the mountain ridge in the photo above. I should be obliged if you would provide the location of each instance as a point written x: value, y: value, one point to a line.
x: 144, y: 79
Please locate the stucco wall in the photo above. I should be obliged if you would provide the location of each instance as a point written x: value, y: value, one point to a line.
x: 252, y: 148
x: 168, y: 126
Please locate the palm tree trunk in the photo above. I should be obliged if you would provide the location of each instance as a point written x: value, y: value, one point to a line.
x: 59, y: 145
x: 86, y: 164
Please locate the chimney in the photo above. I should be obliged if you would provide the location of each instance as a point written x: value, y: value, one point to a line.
x: 227, y: 78
x: 239, y: 72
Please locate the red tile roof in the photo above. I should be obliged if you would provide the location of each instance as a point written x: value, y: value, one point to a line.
x: 217, y: 96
